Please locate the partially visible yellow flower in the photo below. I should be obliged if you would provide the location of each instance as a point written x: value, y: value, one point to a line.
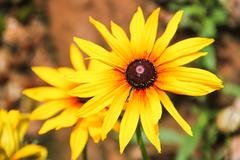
x: 13, y: 126
x: 142, y: 69
x: 59, y: 109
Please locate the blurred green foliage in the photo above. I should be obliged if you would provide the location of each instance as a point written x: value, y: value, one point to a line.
x: 232, y: 89
x: 204, y: 17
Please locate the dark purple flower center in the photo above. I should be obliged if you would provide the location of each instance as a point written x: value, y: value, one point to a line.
x: 141, y: 74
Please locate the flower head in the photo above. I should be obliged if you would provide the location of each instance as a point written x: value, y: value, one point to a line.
x: 13, y: 126
x: 59, y: 109
x: 140, y: 70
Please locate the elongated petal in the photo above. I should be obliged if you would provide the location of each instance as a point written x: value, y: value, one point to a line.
x: 136, y: 30
x: 8, y: 139
x: 183, y: 48
x: 174, y: 113
x: 65, y: 70
x: 115, y: 109
x: 66, y: 119
x: 150, y: 129
x: 31, y: 150
x: 91, y: 76
x: 76, y: 58
x: 189, y: 81
x: 116, y: 45
x: 154, y: 101
x: 128, y: 124
x: 92, y: 89
x: 150, y: 31
x: 78, y: 141
x: 94, y: 50
x: 164, y: 40
x: 51, y: 76
x: 45, y: 93
x: 49, y: 109
x: 122, y: 38
x: 182, y: 60
x: 96, y: 65
x: 96, y: 104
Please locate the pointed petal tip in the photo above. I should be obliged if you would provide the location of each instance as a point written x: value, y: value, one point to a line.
x: 180, y: 12
x: 190, y: 133
x: 92, y: 20
x: 157, y: 10
x: 211, y: 40
x: 159, y: 149
x: 139, y: 8
x: 25, y: 92
x: 35, y: 68
x: 41, y: 132
x: 76, y: 39
x: 103, y: 136
x: 121, y: 150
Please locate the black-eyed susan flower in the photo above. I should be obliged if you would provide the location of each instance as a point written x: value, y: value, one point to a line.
x: 13, y: 126
x: 141, y: 69
x: 59, y: 109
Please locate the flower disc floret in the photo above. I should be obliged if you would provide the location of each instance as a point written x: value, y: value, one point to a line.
x: 141, y: 74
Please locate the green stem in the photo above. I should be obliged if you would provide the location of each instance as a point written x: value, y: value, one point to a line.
x: 141, y: 143
x: 85, y: 156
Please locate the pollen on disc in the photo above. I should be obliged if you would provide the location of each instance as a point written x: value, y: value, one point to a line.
x: 140, y: 69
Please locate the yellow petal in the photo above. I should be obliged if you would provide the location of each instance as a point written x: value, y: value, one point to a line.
x: 182, y: 60
x: 154, y: 102
x: 96, y: 51
x: 128, y: 124
x: 31, y: 150
x: 78, y: 140
x: 115, y: 109
x: 164, y: 40
x: 66, y: 119
x: 96, y: 104
x: 9, y: 139
x: 93, y: 89
x: 51, y: 76
x: 65, y: 70
x: 136, y: 31
x: 49, y: 109
x: 18, y: 122
x: 117, y: 47
x: 122, y: 38
x: 174, y: 113
x: 45, y: 93
x: 183, y: 48
x: 96, y: 65
x: 76, y: 58
x: 148, y: 126
x: 150, y: 31
x: 95, y: 133
x: 189, y: 81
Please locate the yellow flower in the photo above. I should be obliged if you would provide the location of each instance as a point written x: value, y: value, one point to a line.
x: 140, y: 71
x: 13, y: 126
x: 56, y: 100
